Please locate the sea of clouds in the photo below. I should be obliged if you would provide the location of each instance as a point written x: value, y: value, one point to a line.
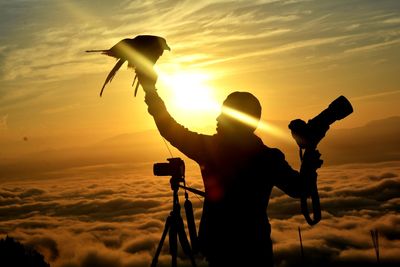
x: 113, y: 215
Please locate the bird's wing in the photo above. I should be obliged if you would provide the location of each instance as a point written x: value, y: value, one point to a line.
x: 112, y: 73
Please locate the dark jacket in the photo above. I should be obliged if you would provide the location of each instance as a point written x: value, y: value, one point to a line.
x: 238, y: 173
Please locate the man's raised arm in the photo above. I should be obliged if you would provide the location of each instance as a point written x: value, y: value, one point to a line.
x: 189, y: 143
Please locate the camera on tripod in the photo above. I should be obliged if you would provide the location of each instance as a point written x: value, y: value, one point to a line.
x: 308, y: 135
x: 174, y: 226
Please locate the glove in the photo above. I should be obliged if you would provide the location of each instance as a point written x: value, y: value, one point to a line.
x: 311, y: 160
x: 308, y: 170
x: 147, y: 79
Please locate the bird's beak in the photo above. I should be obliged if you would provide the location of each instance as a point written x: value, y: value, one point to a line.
x: 167, y: 47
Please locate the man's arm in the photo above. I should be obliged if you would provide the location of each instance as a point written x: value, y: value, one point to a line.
x: 189, y: 143
x: 297, y: 184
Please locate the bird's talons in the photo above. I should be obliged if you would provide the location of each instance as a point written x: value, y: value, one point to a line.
x: 136, y: 88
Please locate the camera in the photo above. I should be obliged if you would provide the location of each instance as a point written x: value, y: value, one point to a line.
x: 175, y: 167
x: 308, y: 135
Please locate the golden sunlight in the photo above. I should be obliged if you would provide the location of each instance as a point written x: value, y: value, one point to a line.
x: 261, y: 125
x: 190, y: 92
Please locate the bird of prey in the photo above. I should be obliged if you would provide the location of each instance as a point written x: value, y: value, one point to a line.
x: 141, y: 52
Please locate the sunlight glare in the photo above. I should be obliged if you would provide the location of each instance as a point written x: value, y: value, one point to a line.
x: 190, y: 92
x: 259, y: 124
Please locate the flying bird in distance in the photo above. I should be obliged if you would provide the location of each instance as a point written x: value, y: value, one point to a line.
x: 141, y: 52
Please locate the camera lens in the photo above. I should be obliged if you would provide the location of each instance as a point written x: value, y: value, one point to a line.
x: 162, y: 169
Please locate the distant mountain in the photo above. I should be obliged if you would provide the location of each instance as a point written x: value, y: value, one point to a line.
x: 376, y: 141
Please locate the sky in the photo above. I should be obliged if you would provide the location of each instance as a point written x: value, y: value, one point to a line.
x: 296, y: 56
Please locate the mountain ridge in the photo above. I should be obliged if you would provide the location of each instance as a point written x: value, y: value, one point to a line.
x: 376, y: 141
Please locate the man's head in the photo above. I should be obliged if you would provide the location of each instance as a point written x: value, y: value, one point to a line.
x: 236, y: 105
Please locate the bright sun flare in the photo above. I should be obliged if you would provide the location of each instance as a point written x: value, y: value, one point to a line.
x: 190, y: 92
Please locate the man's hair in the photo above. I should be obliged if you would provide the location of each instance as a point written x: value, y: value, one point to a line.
x: 244, y: 102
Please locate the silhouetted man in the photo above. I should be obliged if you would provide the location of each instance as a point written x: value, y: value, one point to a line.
x: 238, y: 172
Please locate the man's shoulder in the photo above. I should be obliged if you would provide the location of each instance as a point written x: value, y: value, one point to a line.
x: 273, y: 152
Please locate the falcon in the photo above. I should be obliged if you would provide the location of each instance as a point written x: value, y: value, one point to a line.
x: 141, y: 52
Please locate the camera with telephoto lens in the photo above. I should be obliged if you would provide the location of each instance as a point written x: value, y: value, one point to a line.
x: 175, y: 167
x: 308, y: 135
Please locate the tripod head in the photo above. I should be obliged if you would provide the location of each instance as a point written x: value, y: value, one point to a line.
x: 175, y: 167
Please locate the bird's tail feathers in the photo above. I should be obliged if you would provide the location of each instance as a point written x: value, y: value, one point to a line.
x: 112, y: 74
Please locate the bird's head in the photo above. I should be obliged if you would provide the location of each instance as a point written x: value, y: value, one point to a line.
x: 163, y: 44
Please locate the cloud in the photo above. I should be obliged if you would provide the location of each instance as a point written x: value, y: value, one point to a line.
x: 381, y: 94
x: 59, y: 109
x: 369, y: 48
x: 103, y: 260
x: 109, y: 210
x: 4, y: 123
x: 351, y: 208
x: 46, y: 246
x: 393, y: 20
x: 31, y: 192
x: 269, y: 28
x: 144, y: 243
x: 94, y: 216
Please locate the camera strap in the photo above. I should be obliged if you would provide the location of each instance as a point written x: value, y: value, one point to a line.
x: 315, y: 207
x: 191, y: 224
x: 314, y: 196
x: 190, y: 221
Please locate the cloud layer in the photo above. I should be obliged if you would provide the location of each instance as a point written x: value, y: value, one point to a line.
x: 94, y: 217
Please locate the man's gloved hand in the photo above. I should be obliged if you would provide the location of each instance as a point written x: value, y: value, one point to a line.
x: 147, y: 79
x: 311, y: 160
x: 308, y: 170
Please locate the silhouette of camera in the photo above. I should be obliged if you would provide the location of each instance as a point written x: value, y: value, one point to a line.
x: 308, y: 135
x: 175, y: 167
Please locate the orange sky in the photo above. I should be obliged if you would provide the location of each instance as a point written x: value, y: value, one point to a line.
x: 295, y: 56
x: 77, y: 169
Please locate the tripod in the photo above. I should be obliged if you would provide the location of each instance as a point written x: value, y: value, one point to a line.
x: 175, y: 228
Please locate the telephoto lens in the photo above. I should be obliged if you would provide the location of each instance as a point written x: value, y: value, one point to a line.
x: 308, y: 135
x: 340, y: 108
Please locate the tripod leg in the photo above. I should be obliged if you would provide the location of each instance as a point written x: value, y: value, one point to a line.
x: 184, y: 240
x: 164, y: 234
x: 173, y: 240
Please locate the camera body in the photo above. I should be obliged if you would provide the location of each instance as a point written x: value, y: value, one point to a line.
x: 175, y: 167
x: 308, y: 135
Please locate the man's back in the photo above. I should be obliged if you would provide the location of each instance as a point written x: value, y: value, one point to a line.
x: 234, y: 224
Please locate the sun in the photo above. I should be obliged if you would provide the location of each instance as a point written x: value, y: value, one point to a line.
x: 190, y: 97
x: 190, y: 91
